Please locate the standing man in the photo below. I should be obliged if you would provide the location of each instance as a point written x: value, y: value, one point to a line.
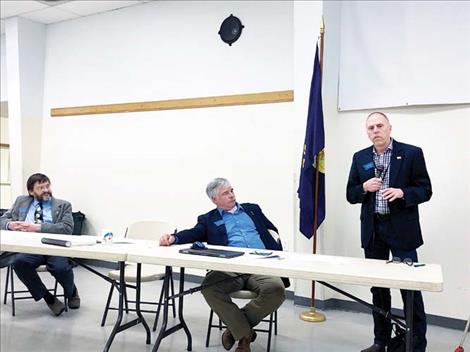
x: 390, y: 179
x: 41, y: 212
x: 238, y: 225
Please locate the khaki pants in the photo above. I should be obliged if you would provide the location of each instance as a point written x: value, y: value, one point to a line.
x: 271, y: 294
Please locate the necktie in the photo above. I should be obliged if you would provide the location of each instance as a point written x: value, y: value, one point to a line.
x: 38, y: 214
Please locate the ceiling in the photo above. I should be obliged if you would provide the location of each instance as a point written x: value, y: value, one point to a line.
x: 52, y: 11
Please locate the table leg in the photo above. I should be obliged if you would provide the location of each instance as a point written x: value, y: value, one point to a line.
x: 409, y: 320
x: 121, y: 289
x: 164, y: 332
x: 166, y: 286
x: 120, y: 308
x: 137, y: 302
x: 180, y: 311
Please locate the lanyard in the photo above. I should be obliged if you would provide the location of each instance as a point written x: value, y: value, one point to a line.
x: 379, y: 169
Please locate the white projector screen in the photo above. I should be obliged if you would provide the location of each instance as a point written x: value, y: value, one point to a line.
x: 401, y: 53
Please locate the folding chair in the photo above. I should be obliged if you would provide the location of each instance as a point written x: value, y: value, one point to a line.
x: 10, y: 288
x: 142, y: 230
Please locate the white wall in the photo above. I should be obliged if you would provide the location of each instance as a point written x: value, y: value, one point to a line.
x: 155, y: 165
x: 442, y: 132
x: 5, y: 197
x: 3, y: 69
x: 5, y: 189
x: 166, y: 50
x: 25, y: 49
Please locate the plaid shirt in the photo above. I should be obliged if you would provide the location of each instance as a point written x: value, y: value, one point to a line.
x: 382, y: 170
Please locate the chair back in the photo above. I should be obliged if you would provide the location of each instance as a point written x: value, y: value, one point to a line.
x: 78, y: 220
x: 149, y: 230
x: 278, y: 239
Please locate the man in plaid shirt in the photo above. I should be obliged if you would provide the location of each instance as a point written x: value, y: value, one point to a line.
x: 390, y: 179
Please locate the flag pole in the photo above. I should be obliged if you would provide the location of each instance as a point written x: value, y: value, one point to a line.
x: 312, y: 315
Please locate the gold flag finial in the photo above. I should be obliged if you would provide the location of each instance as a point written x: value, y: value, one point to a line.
x: 322, y: 25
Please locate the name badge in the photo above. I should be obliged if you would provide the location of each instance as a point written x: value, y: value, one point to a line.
x: 368, y: 166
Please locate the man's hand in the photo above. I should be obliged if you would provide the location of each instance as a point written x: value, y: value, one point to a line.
x: 372, y: 185
x: 24, y: 226
x: 15, y: 226
x: 27, y: 227
x: 167, y: 240
x: 391, y: 194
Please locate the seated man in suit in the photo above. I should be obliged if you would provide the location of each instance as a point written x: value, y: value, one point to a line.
x: 41, y: 212
x: 238, y: 225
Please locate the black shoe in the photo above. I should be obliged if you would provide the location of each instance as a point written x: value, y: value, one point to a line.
x: 57, y: 307
x: 375, y: 348
x: 74, y: 301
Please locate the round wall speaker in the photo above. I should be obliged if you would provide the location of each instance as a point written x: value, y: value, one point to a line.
x: 231, y: 29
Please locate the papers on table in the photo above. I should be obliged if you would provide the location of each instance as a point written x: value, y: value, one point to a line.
x: 82, y: 240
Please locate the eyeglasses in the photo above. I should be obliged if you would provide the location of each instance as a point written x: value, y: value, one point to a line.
x: 397, y: 260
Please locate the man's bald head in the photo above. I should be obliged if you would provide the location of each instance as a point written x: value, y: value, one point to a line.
x: 377, y: 113
x: 378, y: 130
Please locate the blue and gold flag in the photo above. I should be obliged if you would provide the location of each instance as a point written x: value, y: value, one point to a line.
x: 313, y: 158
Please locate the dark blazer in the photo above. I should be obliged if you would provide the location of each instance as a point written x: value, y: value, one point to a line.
x: 62, y: 219
x: 211, y: 229
x: 407, y: 172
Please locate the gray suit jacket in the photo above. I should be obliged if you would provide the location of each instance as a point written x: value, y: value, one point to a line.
x: 62, y: 220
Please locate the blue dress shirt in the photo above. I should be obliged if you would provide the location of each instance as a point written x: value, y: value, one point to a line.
x: 241, y: 229
x: 46, y: 211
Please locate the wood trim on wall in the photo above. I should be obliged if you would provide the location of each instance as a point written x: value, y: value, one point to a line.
x: 190, y: 103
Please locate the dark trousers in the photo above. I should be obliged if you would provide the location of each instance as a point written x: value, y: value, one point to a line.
x: 60, y: 267
x: 6, y: 259
x: 380, y: 248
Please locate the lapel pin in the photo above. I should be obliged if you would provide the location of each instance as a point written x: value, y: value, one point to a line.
x: 398, y: 157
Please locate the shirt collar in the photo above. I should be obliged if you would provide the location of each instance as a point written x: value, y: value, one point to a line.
x: 236, y: 208
x: 47, y: 203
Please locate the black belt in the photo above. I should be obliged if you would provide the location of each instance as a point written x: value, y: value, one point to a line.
x: 382, y: 216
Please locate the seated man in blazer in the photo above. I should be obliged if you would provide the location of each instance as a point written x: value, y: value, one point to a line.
x: 41, y: 212
x: 237, y: 225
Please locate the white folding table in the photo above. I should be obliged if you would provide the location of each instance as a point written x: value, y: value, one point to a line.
x: 322, y: 268
x: 30, y: 242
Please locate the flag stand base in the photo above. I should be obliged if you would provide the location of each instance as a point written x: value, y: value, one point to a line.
x: 312, y: 316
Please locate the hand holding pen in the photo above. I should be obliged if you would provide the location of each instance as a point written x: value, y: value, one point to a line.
x: 168, y: 239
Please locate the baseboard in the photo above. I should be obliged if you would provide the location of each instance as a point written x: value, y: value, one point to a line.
x: 351, y: 306
x: 332, y: 303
